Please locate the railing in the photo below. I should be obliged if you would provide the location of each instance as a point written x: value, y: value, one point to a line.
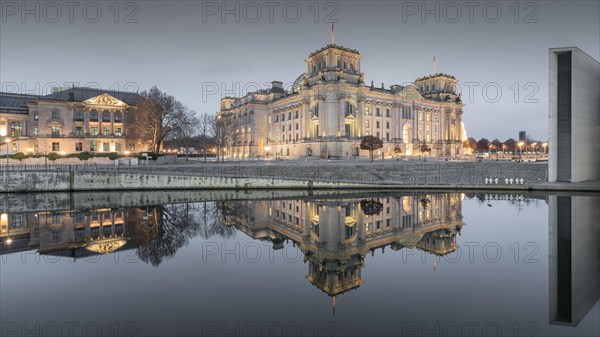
x: 392, y: 173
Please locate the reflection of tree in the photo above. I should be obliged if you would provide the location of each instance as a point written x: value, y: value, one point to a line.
x: 371, y: 206
x: 163, y: 230
x: 167, y: 229
x: 214, y: 220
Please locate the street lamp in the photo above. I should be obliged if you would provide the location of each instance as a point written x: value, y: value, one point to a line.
x: 267, y: 149
x: 520, y: 150
x: 544, y: 146
x: 7, y: 141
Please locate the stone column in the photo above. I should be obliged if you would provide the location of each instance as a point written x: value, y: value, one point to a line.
x: 341, y: 128
x: 360, y: 116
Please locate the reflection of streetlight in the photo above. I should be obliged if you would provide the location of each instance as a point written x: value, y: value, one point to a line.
x: 4, y: 222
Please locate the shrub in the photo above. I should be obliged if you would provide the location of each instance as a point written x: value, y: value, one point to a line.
x: 53, y: 156
x: 84, y: 156
x: 19, y: 156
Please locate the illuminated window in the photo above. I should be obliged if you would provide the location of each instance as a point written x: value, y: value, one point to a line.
x: 16, y: 129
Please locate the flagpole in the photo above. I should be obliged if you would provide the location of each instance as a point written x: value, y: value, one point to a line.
x: 332, y: 34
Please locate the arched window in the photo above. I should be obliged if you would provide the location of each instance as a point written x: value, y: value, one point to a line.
x: 105, y: 117
x: 117, y: 117
x: 16, y: 129
x: 94, y: 116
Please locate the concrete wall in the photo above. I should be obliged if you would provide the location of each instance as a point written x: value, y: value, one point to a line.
x: 108, y: 181
x: 34, y: 181
x: 585, y: 109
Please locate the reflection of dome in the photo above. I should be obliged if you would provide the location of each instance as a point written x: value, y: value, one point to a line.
x: 298, y: 82
x: 106, y: 247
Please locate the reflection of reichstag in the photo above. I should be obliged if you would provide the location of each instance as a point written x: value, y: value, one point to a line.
x: 336, y: 235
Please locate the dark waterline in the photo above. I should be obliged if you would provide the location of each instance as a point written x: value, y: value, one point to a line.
x: 401, y: 264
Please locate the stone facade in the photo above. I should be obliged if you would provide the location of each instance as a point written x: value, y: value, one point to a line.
x: 329, y: 109
x: 69, y: 121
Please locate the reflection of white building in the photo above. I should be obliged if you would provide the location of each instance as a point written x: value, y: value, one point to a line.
x: 329, y: 108
x: 336, y: 235
x: 74, y: 233
x: 573, y: 257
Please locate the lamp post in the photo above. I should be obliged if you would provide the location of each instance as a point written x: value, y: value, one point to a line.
x: 544, y: 145
x: 7, y: 141
x: 520, y: 149
x: 534, y: 149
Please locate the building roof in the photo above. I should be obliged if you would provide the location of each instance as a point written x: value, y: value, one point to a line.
x: 354, y: 51
x: 10, y: 101
x: 434, y: 75
x: 81, y: 94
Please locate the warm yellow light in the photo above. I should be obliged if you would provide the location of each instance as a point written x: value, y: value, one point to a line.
x: 8, y: 241
x: 521, y: 143
x: 29, y: 150
x: 8, y: 140
x: 2, y: 132
x: 62, y: 153
x: 126, y: 153
x: 267, y: 148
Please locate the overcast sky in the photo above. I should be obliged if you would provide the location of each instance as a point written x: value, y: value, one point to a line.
x: 189, y: 49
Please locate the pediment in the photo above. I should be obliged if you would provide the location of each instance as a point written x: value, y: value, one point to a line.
x: 410, y: 92
x: 104, y: 100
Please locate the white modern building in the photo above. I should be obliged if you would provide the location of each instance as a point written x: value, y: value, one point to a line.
x: 574, y: 116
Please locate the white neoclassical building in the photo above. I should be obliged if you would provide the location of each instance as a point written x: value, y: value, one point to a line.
x: 329, y: 109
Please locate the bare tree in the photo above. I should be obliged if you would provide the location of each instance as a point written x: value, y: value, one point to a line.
x: 205, y: 133
x: 224, y: 128
x: 182, y: 133
x: 158, y: 116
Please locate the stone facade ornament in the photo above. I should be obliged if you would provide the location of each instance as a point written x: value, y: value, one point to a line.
x: 105, y: 100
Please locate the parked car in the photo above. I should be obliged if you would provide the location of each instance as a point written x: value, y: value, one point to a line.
x: 147, y: 156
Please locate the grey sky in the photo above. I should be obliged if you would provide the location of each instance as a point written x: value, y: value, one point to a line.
x: 187, y: 51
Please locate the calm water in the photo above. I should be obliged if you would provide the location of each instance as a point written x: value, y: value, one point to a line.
x: 402, y: 264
